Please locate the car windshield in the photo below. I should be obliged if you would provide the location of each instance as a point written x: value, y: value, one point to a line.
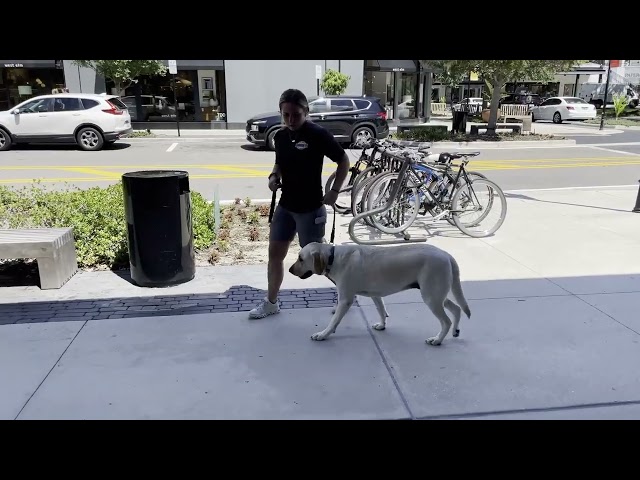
x: 574, y: 100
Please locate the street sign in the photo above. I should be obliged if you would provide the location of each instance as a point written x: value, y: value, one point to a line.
x: 173, y: 67
x: 318, y: 72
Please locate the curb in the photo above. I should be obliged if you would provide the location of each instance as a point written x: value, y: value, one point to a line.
x: 479, y: 145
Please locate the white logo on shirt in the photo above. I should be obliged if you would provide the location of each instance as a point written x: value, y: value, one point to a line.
x: 301, y: 145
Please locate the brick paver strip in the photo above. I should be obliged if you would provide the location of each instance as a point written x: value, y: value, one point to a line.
x: 239, y: 298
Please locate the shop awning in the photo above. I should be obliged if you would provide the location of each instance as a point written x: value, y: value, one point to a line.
x: 28, y: 63
x: 393, y: 65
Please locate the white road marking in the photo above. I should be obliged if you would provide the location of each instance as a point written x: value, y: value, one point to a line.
x: 173, y: 145
x: 614, y: 151
x: 569, y: 188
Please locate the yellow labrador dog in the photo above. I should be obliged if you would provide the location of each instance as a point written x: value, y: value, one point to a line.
x: 380, y: 271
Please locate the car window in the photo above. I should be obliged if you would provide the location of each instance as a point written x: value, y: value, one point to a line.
x: 362, y: 104
x: 318, y: 106
x: 88, y: 103
x: 117, y: 102
x: 40, y: 105
x: 66, y: 104
x: 574, y: 100
x: 545, y: 103
x: 341, y: 105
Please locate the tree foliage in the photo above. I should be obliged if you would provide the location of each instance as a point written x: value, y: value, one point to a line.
x: 499, y: 72
x: 334, y: 82
x: 123, y: 72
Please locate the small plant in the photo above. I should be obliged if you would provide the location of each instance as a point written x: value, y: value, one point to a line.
x: 239, y: 255
x: 223, y: 246
x: 238, y: 200
x: 214, y: 257
x: 254, y: 234
x: 263, y: 210
x: 242, y: 214
x: 247, y: 202
x: 224, y: 234
x: 620, y: 103
x: 254, y: 218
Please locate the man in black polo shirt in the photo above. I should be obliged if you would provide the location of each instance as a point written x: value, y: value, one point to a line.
x: 300, y: 150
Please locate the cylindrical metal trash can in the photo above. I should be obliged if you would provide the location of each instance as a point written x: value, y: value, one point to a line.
x: 159, y: 227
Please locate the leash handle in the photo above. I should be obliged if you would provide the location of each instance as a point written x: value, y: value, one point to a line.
x: 273, y: 202
x: 333, y: 230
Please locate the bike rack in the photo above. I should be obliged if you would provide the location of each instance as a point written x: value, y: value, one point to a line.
x: 384, y: 208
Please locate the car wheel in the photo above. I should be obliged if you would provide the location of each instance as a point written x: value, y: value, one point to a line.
x: 557, y: 118
x: 90, y: 139
x: 5, y: 140
x: 362, y: 135
x: 271, y: 142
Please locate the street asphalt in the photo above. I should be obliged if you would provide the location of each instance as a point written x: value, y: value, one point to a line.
x: 227, y: 162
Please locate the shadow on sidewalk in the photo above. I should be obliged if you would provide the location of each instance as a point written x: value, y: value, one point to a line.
x: 526, y: 197
x: 238, y: 298
x: 242, y: 298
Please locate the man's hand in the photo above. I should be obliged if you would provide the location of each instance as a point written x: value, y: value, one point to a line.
x: 274, y: 182
x: 330, y: 197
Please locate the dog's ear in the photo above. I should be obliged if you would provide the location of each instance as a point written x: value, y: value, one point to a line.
x: 319, y: 263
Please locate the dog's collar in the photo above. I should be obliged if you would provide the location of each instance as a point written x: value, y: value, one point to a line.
x: 331, y: 257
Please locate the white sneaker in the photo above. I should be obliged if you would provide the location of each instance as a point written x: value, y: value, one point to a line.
x: 264, y: 309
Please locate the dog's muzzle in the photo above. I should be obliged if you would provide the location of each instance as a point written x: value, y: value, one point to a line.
x: 306, y: 275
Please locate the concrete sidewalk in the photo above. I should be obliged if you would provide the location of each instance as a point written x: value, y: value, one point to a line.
x: 554, y: 333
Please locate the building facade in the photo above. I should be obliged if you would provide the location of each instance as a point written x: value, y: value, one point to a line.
x: 224, y: 94
x: 23, y: 79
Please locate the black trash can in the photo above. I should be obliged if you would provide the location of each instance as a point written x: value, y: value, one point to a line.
x: 159, y: 227
x: 459, y: 122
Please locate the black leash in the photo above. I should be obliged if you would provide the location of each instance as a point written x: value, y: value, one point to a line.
x: 273, y: 202
x: 333, y: 230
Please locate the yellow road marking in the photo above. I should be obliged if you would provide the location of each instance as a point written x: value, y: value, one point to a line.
x: 94, y: 171
x: 238, y: 169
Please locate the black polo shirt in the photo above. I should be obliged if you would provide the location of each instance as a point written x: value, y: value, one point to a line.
x: 300, y: 155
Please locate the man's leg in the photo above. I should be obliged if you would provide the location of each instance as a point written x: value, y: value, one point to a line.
x: 311, y: 226
x: 282, y: 232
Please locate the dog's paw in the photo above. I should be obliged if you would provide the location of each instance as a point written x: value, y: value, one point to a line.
x: 433, y: 341
x: 379, y: 326
x: 456, y: 332
x: 319, y: 336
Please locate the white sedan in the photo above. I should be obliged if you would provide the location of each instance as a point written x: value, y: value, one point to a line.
x: 558, y: 109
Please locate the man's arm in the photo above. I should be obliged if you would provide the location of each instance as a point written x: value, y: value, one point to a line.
x: 341, y: 172
x: 336, y: 153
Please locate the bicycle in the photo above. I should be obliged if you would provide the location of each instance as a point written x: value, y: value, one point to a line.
x: 413, y: 191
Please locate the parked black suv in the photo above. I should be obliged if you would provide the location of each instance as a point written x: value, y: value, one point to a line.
x: 347, y: 117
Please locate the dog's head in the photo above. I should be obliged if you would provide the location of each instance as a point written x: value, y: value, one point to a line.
x: 313, y: 258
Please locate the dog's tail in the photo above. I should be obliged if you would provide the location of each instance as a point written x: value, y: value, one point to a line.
x: 456, y: 288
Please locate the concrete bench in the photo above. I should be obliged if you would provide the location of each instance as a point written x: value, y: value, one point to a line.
x: 514, y: 127
x: 53, y: 248
x: 416, y: 127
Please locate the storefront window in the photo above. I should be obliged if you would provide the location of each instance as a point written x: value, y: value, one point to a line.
x: 381, y: 85
x: 407, y: 101
x: 198, y: 96
x: 20, y: 84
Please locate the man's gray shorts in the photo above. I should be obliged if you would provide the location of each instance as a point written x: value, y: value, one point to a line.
x: 309, y: 226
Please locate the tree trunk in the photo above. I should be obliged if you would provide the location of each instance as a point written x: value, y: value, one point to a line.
x: 498, y: 84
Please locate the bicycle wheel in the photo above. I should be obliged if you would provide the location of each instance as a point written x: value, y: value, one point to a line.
x: 404, y: 209
x: 343, y: 203
x: 451, y: 188
x: 359, y: 187
x: 468, y: 200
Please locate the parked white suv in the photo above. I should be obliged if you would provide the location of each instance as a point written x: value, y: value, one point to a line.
x: 89, y: 120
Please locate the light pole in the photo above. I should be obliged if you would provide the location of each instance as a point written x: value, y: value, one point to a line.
x: 606, y: 94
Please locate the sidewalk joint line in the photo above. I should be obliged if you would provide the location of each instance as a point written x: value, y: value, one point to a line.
x: 386, y: 364
x: 582, y: 406
x: 51, y: 369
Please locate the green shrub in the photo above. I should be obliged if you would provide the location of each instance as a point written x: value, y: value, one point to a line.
x: 96, y: 215
x: 423, y: 134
